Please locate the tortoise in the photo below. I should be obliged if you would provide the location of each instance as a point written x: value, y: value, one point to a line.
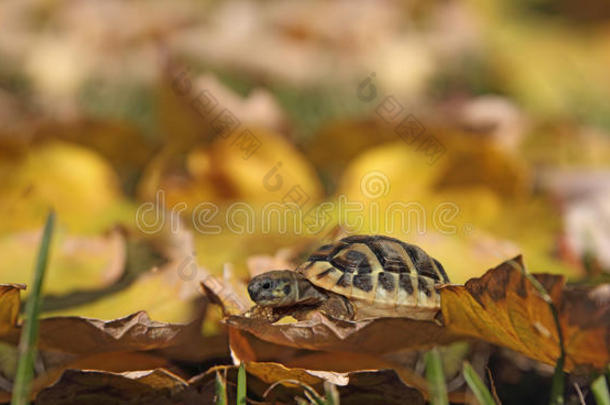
x: 358, y: 277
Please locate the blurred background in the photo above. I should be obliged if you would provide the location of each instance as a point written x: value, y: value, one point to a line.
x: 207, y: 133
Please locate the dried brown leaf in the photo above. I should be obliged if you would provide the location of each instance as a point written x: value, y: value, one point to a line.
x: 360, y: 387
x: 98, y: 387
x: 106, y: 362
x: 133, y: 332
x: 77, y: 335
x: 504, y: 307
x: 369, y: 336
x: 9, y: 306
x: 322, y: 333
x: 162, y: 387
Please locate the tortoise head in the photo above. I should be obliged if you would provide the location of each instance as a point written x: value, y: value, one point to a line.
x: 276, y: 288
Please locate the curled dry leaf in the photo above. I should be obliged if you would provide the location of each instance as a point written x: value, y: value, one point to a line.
x: 133, y: 332
x: 87, y: 343
x: 160, y: 386
x: 78, y: 335
x: 9, y: 306
x: 383, y: 386
x: 72, y: 334
x: 111, y: 362
x: 504, y: 307
x: 87, y: 386
x: 367, y: 336
x: 247, y: 348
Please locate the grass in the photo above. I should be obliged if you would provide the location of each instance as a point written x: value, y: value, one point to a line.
x: 436, y: 378
x: 29, y: 332
x: 221, y: 389
x: 600, y: 391
x: 477, y: 386
x: 331, y: 396
x: 241, y: 384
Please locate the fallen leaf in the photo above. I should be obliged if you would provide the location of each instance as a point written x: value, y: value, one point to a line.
x: 99, y: 387
x: 338, y: 143
x: 78, y: 335
x: 376, y: 386
x: 248, y: 348
x: 503, y: 307
x: 483, y: 163
x: 108, y: 139
x: 370, y: 336
x: 9, y: 306
x: 108, y: 362
x: 168, y: 293
x: 78, y: 262
x: 160, y: 386
x: 77, y: 182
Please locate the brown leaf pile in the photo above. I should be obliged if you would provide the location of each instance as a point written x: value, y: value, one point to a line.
x: 161, y: 387
x: 76, y: 342
x: 94, y: 360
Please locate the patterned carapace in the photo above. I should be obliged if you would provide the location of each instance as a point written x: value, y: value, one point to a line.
x: 379, y: 271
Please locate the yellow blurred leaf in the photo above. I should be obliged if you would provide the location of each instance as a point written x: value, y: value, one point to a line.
x: 76, y: 262
x: 76, y: 182
x: 167, y: 292
x: 271, y: 173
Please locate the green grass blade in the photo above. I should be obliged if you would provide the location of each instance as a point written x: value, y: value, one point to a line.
x: 221, y: 390
x: 436, y: 378
x: 600, y: 391
x: 558, y: 383
x: 332, y: 395
x: 309, y: 392
x: 29, y: 331
x: 241, y: 384
x: 477, y: 386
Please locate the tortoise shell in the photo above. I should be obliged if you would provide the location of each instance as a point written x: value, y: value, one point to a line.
x: 380, y: 275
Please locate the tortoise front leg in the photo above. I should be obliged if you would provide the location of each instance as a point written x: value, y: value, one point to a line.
x: 274, y: 314
x: 338, y: 307
x: 260, y: 312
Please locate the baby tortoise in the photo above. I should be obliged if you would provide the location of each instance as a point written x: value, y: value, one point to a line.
x: 358, y: 277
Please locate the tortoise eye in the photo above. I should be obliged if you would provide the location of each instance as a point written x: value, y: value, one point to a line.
x: 266, y: 285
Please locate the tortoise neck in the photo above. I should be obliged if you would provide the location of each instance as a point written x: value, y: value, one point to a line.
x: 307, y: 293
